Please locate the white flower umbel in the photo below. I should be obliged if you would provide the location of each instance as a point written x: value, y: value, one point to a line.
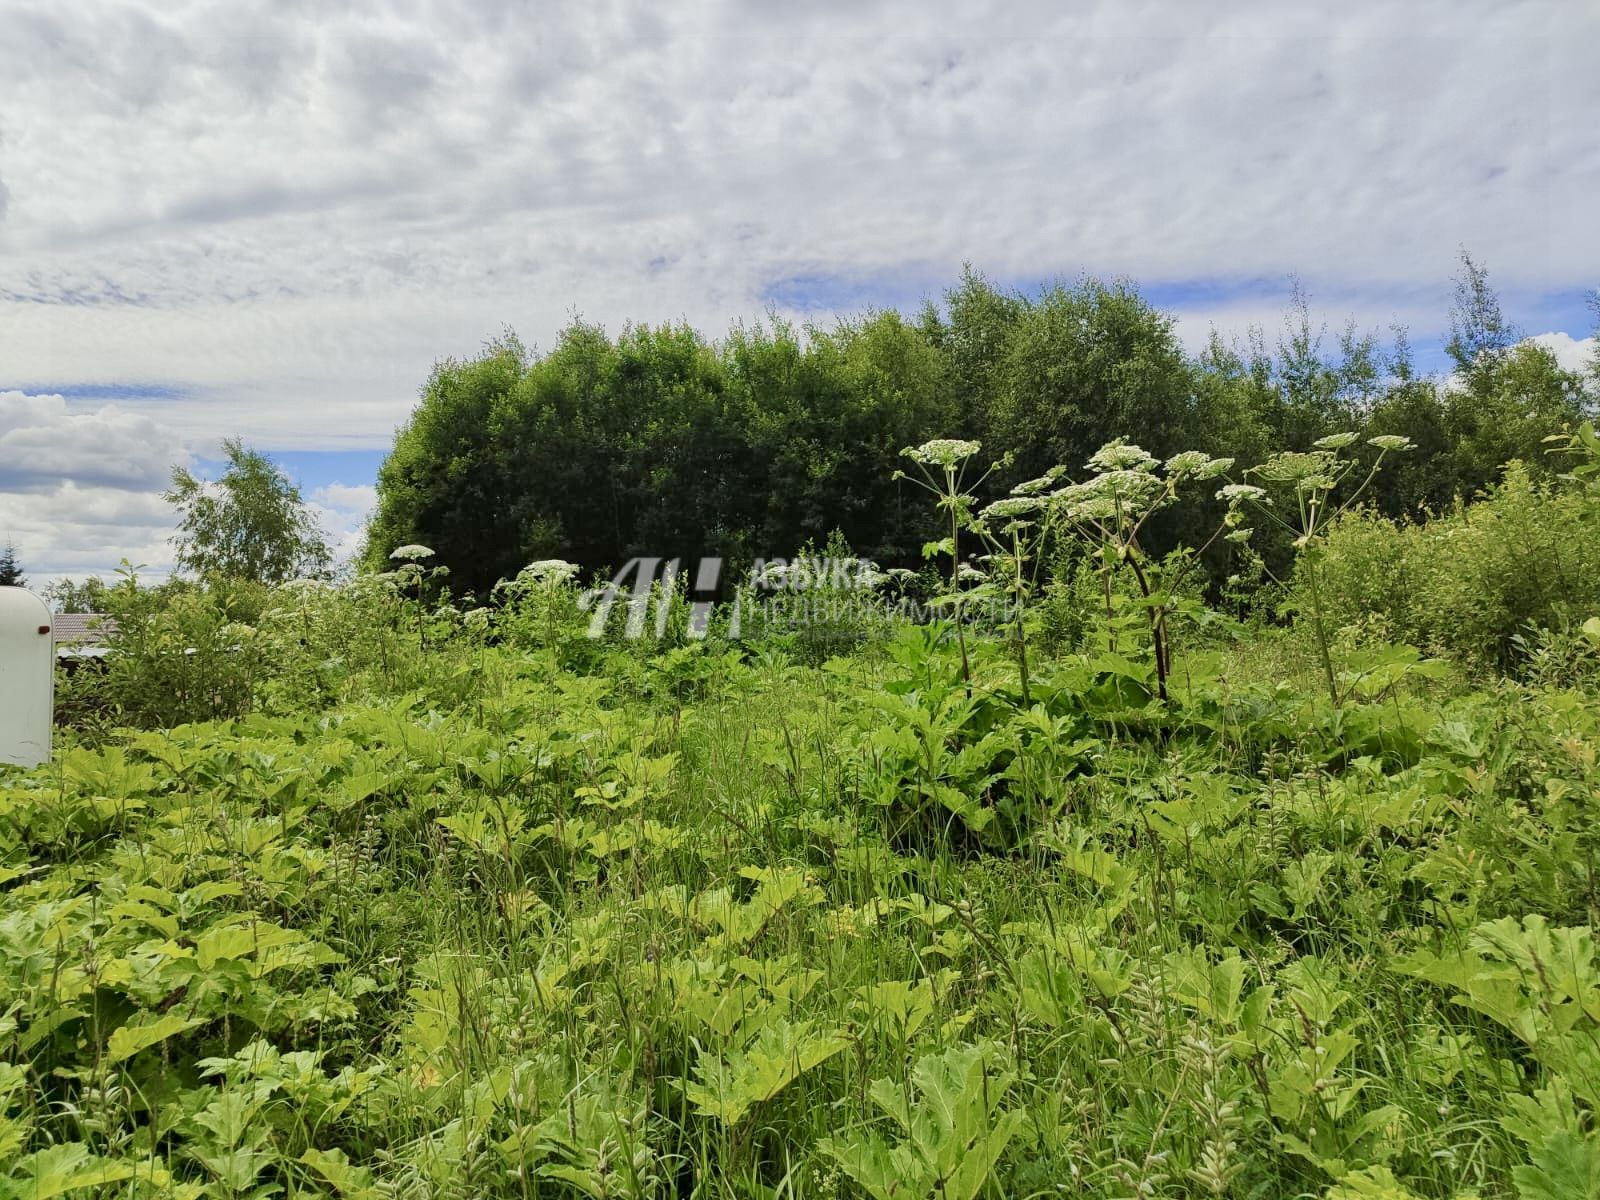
x: 1121, y: 455
x: 942, y: 452
x: 1391, y: 443
x: 549, y: 570
x: 1044, y: 483
x: 412, y: 551
x: 1315, y: 481
x: 1012, y: 507
x: 941, y: 468
x: 1238, y: 493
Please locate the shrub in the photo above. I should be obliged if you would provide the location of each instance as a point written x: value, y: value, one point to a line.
x: 1467, y: 583
x: 181, y: 652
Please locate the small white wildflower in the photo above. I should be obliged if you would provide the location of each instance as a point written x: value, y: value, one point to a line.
x: 868, y: 576
x: 969, y: 572
x: 1185, y: 462
x: 1131, y: 486
x: 942, y: 452
x: 1101, y: 509
x: 412, y: 550
x: 1291, y: 466
x: 1198, y: 466
x: 1073, y: 493
x: 1085, y: 502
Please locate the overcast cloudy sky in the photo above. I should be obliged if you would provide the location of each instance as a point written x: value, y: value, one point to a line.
x: 269, y: 218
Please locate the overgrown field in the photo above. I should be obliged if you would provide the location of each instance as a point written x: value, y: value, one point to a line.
x: 462, y: 904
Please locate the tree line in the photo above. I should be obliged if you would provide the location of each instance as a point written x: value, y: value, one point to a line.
x: 661, y: 441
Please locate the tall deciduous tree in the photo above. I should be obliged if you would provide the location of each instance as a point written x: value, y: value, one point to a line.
x: 1480, y: 337
x: 250, y: 524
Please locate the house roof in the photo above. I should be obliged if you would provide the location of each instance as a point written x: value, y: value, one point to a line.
x: 81, y: 628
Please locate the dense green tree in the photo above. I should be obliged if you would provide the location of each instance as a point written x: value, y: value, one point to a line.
x: 251, y: 524
x: 1506, y: 413
x: 1427, y: 479
x: 445, y: 484
x: 1506, y: 394
x: 1085, y: 364
x: 832, y: 414
x: 973, y: 339
x: 1236, y: 402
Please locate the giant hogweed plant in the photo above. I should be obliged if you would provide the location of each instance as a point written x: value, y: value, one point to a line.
x: 941, y: 467
x: 1106, y: 513
x: 1109, y: 511
x: 1310, y: 498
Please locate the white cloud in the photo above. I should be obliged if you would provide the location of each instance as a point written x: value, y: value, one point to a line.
x: 345, y: 497
x: 42, y: 444
x: 296, y: 210
x: 1571, y: 353
x: 342, y: 510
x: 288, y: 212
x: 79, y: 491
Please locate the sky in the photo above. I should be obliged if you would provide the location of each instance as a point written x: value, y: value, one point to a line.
x: 269, y: 218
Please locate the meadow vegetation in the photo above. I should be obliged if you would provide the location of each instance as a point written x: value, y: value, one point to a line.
x: 1207, y: 832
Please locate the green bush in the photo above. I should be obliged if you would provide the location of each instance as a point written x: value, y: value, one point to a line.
x: 1468, y: 582
x: 181, y: 652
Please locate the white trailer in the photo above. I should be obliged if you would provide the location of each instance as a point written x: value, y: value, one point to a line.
x: 27, y: 678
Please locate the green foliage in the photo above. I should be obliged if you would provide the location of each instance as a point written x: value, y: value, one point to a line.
x: 400, y: 893
x: 66, y: 596
x: 1470, y: 582
x: 658, y: 441
x: 1479, y: 335
x: 180, y: 652
x: 479, y: 914
x: 952, y: 1130
x: 1311, y: 494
